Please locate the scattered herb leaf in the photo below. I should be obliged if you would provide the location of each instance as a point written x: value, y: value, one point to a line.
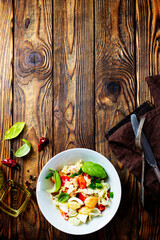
x: 23, y: 150
x: 63, y: 197
x: 14, y: 131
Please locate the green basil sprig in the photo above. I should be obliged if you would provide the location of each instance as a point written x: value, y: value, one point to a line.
x: 1, y: 178
x: 24, y: 150
x: 49, y: 175
x: 57, y: 180
x: 76, y: 174
x: 63, y: 197
x: 94, y: 170
x: 14, y: 131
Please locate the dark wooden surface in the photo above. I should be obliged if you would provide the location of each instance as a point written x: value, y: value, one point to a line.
x: 71, y: 70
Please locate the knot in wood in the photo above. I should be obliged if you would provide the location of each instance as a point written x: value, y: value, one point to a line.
x: 112, y: 90
x: 34, y: 62
x: 27, y: 22
x: 35, y: 58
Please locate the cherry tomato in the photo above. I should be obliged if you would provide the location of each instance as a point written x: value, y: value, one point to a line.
x: 64, y: 214
x: 81, y: 182
x: 81, y: 197
x: 64, y: 179
x: 101, y: 207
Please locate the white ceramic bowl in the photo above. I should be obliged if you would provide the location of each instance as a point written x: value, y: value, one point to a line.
x: 47, y: 207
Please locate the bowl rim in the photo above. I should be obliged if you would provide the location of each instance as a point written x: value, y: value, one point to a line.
x: 71, y: 150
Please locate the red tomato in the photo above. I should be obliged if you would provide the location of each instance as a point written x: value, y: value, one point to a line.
x: 81, y: 182
x: 81, y: 197
x: 64, y: 214
x: 65, y: 190
x: 101, y: 207
x: 108, y: 194
x: 52, y: 179
x: 64, y: 179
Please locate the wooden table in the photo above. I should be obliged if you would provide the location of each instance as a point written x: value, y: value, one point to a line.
x: 71, y: 70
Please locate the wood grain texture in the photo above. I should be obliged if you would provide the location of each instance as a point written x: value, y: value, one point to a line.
x: 100, y: 51
x: 115, y: 98
x: 73, y: 75
x: 73, y: 78
x: 147, y: 45
x: 32, y: 104
x: 6, y: 58
x: 147, y: 57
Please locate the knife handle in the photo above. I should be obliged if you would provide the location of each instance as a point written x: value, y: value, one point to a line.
x: 157, y: 172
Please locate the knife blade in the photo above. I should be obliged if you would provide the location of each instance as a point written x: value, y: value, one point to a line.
x: 150, y: 158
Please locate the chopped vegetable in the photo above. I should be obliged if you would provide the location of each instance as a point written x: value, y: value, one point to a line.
x: 81, y: 197
x: 101, y: 207
x: 92, y: 185
x: 81, y: 182
x: 111, y: 195
x: 64, y: 214
x: 99, y: 185
x: 64, y: 179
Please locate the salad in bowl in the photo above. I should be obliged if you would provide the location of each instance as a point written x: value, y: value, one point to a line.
x: 80, y: 191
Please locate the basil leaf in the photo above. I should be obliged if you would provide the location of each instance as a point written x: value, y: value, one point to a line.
x: 111, y: 195
x: 49, y: 175
x: 63, y: 197
x: 1, y: 178
x: 94, y: 170
x: 73, y: 175
x: 24, y: 150
x: 97, y: 181
x: 14, y: 131
x: 80, y: 171
x: 76, y: 174
x: 99, y: 185
x: 92, y: 185
x: 57, y: 184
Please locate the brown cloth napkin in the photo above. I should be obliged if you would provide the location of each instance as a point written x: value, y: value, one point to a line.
x: 121, y: 139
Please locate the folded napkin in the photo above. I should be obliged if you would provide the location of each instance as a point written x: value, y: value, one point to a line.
x: 121, y: 139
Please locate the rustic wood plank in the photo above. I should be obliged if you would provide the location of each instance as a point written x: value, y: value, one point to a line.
x: 73, y: 78
x: 115, y: 98
x: 6, y: 57
x: 73, y: 74
x: 32, y: 104
x: 147, y: 52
